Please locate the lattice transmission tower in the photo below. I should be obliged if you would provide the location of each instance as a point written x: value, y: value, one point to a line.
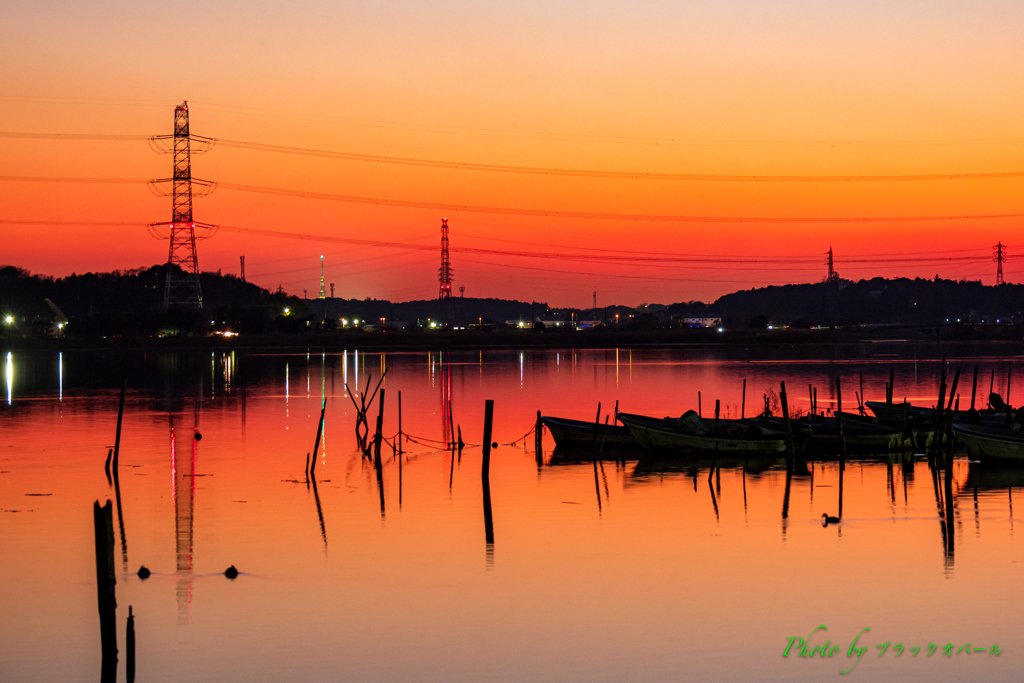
x: 445, y: 271
x: 999, y: 255
x: 832, y: 276
x: 182, y: 289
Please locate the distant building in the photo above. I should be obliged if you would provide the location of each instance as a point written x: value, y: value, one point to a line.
x: 702, y: 322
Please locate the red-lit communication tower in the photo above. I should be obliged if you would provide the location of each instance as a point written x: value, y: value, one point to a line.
x: 445, y: 271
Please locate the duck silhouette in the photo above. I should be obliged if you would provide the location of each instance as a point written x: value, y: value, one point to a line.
x: 828, y: 520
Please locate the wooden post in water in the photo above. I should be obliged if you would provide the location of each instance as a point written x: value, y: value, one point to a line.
x: 380, y: 429
x: 597, y: 423
x: 699, y: 413
x: 129, y: 646
x: 400, y: 422
x: 1009, y: 412
x: 103, y: 527
x: 485, y: 473
x: 892, y: 388
x: 991, y: 384
x: 810, y: 397
x: 718, y: 407
x: 538, y: 439
x: 974, y: 386
x: 939, y: 414
x: 106, y: 468
x: 863, y: 398
x: 316, y: 444
x: 120, y: 415
x: 903, y: 433
x: 604, y: 432
x: 785, y: 416
x: 839, y: 421
x: 814, y: 401
x: 485, y: 465
x: 743, y: 405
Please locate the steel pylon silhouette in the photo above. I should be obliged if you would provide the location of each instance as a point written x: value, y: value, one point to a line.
x: 182, y: 289
x: 445, y: 271
x: 999, y: 255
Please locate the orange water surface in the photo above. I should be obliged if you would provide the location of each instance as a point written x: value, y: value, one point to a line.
x: 653, y: 568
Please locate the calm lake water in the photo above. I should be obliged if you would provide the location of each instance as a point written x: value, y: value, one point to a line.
x: 647, y: 570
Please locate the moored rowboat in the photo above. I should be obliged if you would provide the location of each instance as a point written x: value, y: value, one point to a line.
x: 691, y: 434
x: 578, y: 433
x: 984, y: 442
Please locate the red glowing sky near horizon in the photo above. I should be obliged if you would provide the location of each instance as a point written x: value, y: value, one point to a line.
x: 734, y: 88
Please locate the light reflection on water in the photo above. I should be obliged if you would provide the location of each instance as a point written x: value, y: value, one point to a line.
x: 657, y: 569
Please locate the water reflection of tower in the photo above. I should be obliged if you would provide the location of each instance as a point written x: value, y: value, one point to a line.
x: 183, y: 483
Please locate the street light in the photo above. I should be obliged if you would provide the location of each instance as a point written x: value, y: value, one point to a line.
x: 8, y: 319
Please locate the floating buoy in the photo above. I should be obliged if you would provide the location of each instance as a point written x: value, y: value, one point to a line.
x: 231, y: 572
x: 144, y: 572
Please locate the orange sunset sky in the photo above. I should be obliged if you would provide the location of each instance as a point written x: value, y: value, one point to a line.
x: 732, y: 87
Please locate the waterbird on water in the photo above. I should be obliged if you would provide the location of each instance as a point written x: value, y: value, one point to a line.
x: 828, y: 520
x: 143, y: 572
x: 231, y: 572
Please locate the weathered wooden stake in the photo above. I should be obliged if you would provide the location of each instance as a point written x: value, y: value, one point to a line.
x: 718, y: 407
x: 974, y: 386
x: 103, y: 527
x: 743, y: 405
x: 1009, y: 411
x: 699, y: 413
x: 892, y: 387
x: 400, y: 423
x: 316, y: 445
x: 129, y: 646
x: 485, y: 472
x: 863, y: 398
x: 604, y: 432
x: 120, y: 415
x: 939, y: 414
x: 839, y: 420
x: 380, y: 429
x: 538, y: 440
x: 785, y: 416
x: 485, y: 465
x: 106, y: 468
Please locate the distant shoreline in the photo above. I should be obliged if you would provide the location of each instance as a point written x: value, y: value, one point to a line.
x: 597, y: 338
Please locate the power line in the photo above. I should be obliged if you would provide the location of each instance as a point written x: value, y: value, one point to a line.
x: 547, y: 170
x: 499, y: 132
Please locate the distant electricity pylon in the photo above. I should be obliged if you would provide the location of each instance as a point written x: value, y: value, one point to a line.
x: 462, y: 291
x: 182, y: 289
x: 445, y: 271
x: 323, y: 292
x: 832, y: 276
x: 999, y: 255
